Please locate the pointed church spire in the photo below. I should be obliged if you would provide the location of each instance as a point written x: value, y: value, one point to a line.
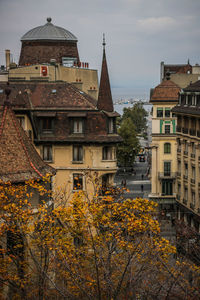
x: 105, y: 97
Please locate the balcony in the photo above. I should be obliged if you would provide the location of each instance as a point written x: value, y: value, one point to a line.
x: 185, y: 176
x: 185, y: 201
x: 178, y: 128
x: 185, y: 130
x: 192, y: 155
x: 192, y: 180
x: 193, y: 132
x: 192, y: 206
x: 167, y: 175
x: 185, y: 152
x: 198, y: 133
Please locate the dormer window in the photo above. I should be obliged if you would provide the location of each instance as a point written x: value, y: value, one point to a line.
x: 46, y: 124
x: 77, y: 125
x: 111, y: 125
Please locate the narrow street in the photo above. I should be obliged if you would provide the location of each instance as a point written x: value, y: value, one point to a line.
x: 135, y: 179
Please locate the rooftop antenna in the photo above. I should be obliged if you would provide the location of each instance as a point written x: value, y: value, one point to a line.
x: 104, y: 42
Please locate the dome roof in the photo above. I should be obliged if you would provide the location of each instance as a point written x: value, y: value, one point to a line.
x: 48, y: 32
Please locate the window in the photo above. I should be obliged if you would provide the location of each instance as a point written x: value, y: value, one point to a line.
x: 193, y: 197
x: 111, y: 125
x: 47, y: 153
x: 159, y: 112
x: 107, y: 153
x: 167, y: 187
x: 77, y: 153
x: 186, y: 169
x: 179, y: 166
x: 167, y: 168
x: 77, y: 181
x: 167, y: 112
x: 21, y: 121
x: 186, y: 193
x: 167, y: 129
x: 189, y: 99
x: 77, y: 125
x: 179, y: 189
x: 47, y: 124
x: 167, y: 148
x: 193, y: 172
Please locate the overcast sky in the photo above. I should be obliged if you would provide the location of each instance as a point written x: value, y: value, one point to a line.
x: 139, y: 34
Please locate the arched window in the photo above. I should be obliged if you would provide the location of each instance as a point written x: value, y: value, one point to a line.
x: 167, y: 148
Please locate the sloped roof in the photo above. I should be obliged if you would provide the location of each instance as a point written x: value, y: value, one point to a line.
x: 48, y: 32
x: 48, y: 95
x: 105, y: 97
x: 194, y: 87
x: 19, y: 161
x: 167, y: 91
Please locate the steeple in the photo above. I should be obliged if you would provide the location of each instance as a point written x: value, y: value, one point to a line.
x: 105, y: 97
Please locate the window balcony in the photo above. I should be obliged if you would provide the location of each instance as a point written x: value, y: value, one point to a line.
x: 192, y: 206
x: 185, y: 152
x: 185, y: 201
x: 185, y: 130
x: 167, y: 175
x: 192, y: 155
x: 193, y: 132
x: 185, y: 176
x: 192, y: 180
x: 178, y: 129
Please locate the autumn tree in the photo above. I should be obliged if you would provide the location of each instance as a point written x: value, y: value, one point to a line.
x: 92, y: 247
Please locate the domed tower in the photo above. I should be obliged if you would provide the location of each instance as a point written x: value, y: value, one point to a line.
x: 43, y: 43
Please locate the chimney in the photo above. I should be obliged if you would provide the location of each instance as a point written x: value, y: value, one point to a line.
x: 7, y: 53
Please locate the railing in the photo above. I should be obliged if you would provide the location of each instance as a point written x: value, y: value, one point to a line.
x: 198, y: 133
x: 178, y: 128
x: 185, y: 176
x: 171, y: 175
x: 192, y: 155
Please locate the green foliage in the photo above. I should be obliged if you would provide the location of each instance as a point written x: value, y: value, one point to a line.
x: 127, y: 150
x: 138, y: 115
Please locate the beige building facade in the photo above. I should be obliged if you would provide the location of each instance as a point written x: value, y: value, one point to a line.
x: 164, y: 163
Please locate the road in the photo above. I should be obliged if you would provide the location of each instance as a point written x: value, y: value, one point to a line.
x: 135, y: 181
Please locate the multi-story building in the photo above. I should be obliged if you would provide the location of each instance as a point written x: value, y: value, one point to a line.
x: 164, y: 164
x: 188, y: 155
x: 69, y: 118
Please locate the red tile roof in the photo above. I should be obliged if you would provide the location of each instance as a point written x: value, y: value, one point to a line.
x: 167, y: 91
x: 19, y: 161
